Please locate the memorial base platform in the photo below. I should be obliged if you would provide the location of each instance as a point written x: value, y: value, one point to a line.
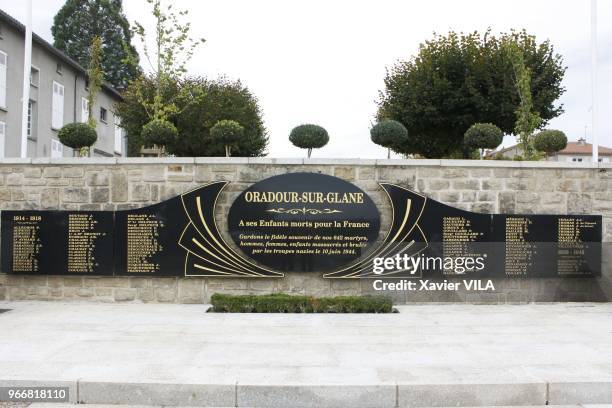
x: 424, y: 356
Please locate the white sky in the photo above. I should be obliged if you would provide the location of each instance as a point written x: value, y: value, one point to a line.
x: 324, y: 61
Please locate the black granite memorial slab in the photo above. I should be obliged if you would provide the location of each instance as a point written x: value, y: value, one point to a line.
x: 57, y: 242
x: 304, y: 222
x: 300, y: 222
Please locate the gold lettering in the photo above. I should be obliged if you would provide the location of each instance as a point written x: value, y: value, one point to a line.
x: 304, y: 197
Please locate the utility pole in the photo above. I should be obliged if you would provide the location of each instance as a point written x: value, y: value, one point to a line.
x: 27, y: 67
x: 594, y: 112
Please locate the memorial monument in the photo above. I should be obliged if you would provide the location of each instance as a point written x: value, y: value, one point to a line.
x: 300, y: 222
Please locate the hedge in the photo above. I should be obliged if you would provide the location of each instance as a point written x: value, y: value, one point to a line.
x: 283, y: 303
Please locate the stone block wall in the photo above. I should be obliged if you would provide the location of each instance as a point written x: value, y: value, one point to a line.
x: 479, y: 186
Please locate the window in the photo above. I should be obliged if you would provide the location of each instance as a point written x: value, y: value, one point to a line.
x: 118, y: 135
x: 58, y: 68
x: 32, y: 120
x: 103, y: 115
x: 57, y: 149
x: 2, y: 137
x: 84, y: 110
x: 34, y: 76
x: 3, y: 69
x: 57, y: 118
x: 577, y: 159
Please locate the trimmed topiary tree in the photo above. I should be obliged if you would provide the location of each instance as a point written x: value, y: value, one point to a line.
x: 227, y: 132
x: 550, y: 141
x: 309, y: 137
x: 78, y: 136
x: 483, y: 136
x: 390, y: 134
x: 158, y: 132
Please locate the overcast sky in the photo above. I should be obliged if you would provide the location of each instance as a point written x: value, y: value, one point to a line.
x: 324, y: 61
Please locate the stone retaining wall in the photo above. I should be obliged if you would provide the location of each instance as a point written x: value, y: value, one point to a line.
x: 479, y: 186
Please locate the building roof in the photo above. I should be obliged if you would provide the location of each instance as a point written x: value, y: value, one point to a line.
x: 503, y: 150
x: 578, y: 147
x: 582, y: 147
x: 55, y: 51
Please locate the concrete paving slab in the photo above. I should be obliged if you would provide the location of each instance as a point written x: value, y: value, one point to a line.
x: 60, y: 405
x: 426, y: 355
x: 55, y: 405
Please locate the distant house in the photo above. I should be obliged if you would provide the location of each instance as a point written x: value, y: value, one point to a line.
x: 577, y: 152
x: 58, y: 95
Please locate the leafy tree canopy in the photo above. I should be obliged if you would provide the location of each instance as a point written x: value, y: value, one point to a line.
x: 483, y: 136
x: 227, y: 132
x: 78, y: 22
x: 309, y: 137
x: 77, y: 135
x: 389, y: 133
x: 550, y: 141
x: 461, y: 79
x: 217, y: 100
x: 159, y: 132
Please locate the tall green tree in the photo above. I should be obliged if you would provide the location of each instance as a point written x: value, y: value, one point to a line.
x: 457, y: 80
x: 218, y: 100
x: 76, y: 25
x: 96, y: 76
x: 527, y: 121
x: 173, y: 49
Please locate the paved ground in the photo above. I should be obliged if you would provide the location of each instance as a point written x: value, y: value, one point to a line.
x: 49, y: 405
x: 425, y: 355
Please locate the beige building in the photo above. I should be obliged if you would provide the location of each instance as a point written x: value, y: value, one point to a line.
x: 577, y: 152
x: 58, y: 95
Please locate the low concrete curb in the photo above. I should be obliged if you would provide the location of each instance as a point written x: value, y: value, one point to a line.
x: 323, y: 396
x: 320, y: 396
x: 199, y: 395
x: 580, y: 393
x: 472, y: 395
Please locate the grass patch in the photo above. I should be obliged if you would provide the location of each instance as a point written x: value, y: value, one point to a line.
x: 282, y: 303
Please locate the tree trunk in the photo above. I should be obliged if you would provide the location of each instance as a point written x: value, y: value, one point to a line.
x: 309, y: 152
x: 388, y: 152
x: 227, y: 151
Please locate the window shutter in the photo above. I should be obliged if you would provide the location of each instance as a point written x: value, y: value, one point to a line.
x: 3, y: 70
x: 57, y: 117
x: 118, y: 135
x: 84, y: 110
x: 57, y: 149
x: 2, y: 138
